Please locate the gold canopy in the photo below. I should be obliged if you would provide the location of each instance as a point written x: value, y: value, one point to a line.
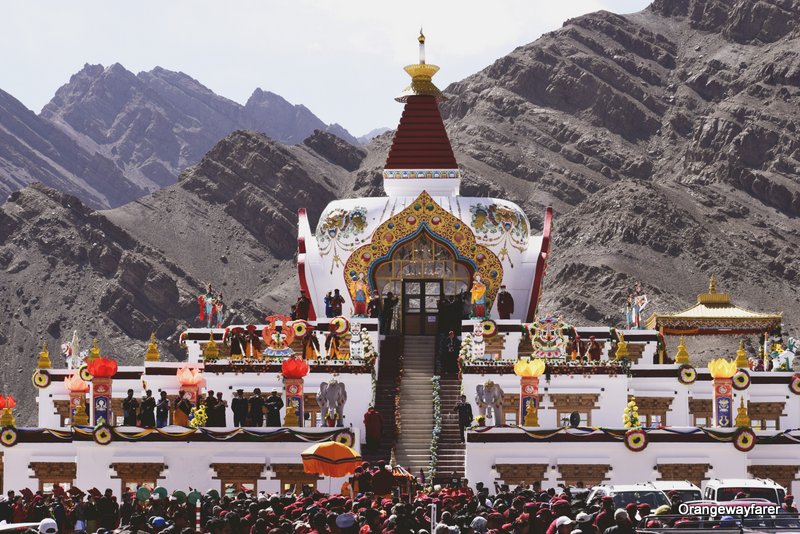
x: 421, y: 76
x: 714, y: 314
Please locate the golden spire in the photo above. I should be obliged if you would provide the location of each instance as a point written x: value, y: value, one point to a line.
x: 44, y: 358
x: 712, y: 297
x: 210, y: 350
x: 741, y: 356
x: 682, y: 356
x: 152, y: 354
x: 531, y: 415
x: 94, y: 352
x: 622, y: 348
x: 421, y: 76
x: 742, y: 418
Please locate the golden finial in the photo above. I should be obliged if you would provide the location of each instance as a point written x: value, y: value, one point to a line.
x: 741, y: 356
x: 712, y: 285
x: 682, y: 356
x: 421, y: 76
x: 712, y: 297
x: 210, y: 350
x: 742, y: 418
x: 622, y: 348
x: 421, y: 37
x: 44, y: 358
x: 152, y: 354
x: 291, y: 419
x: 94, y: 352
x: 531, y: 415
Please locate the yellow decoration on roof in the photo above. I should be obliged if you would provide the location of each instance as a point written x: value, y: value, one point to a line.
x: 741, y: 356
x: 530, y: 368
x: 7, y: 418
x: 742, y: 418
x: 531, y: 415
x: 622, y: 349
x: 44, y: 358
x: 714, y: 314
x: 682, y: 356
x: 94, y: 352
x: 152, y: 354
x: 421, y: 76
x: 722, y: 368
x: 210, y: 350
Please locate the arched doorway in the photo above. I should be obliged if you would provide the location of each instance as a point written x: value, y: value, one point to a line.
x: 426, y: 274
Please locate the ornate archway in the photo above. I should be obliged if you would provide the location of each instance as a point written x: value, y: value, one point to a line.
x: 448, y: 236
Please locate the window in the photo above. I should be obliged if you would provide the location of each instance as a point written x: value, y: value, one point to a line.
x: 563, y: 418
x: 700, y: 421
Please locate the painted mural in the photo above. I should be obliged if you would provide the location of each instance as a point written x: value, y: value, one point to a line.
x: 341, y: 230
x: 500, y: 226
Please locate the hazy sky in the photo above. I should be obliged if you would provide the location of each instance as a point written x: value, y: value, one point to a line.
x: 342, y: 59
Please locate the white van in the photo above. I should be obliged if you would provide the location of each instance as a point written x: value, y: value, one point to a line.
x: 685, y: 490
x: 754, y: 488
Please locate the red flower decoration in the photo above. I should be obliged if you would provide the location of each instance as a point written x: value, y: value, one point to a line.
x: 190, y: 377
x: 75, y: 384
x: 294, y: 368
x: 102, y: 367
x: 10, y: 401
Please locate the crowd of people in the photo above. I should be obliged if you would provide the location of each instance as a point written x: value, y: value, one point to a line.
x: 370, y: 502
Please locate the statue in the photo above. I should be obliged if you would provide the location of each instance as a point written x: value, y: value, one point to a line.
x: 331, y: 399
x: 206, y: 302
x: 278, y: 337
x: 360, y: 296
x: 356, y: 346
x: 478, y: 298
x: 489, y: 398
x: 784, y: 360
x: 72, y: 354
x: 637, y: 302
x: 219, y: 307
x: 478, y: 347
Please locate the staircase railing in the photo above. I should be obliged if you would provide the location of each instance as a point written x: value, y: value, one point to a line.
x: 437, y: 426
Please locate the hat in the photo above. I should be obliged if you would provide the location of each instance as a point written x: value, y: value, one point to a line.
x: 478, y: 524
x: 564, y: 520
x: 345, y: 520
x: 240, y: 390
x: 607, y: 498
x: 158, y: 522
x: 583, y: 517
x: 621, y: 513
x: 48, y: 526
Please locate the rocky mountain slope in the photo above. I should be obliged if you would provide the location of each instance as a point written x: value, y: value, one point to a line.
x: 110, y: 136
x: 665, y: 140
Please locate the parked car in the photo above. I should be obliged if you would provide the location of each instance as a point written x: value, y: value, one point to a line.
x: 628, y: 493
x: 685, y: 490
x: 728, y: 488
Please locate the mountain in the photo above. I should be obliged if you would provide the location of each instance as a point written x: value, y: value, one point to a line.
x: 372, y: 134
x: 34, y: 150
x: 666, y: 141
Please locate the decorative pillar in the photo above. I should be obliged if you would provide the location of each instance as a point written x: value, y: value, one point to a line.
x: 152, y: 354
x: 293, y: 370
x: 722, y: 406
x: 77, y: 399
x: 102, y: 371
x: 190, y: 380
x: 529, y: 372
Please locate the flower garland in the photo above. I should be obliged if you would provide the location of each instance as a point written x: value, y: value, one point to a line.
x: 198, y: 417
x: 794, y: 384
x: 437, y: 427
x: 370, y: 358
x: 744, y: 440
x: 741, y: 380
x: 687, y: 374
x: 398, y: 420
x: 636, y: 439
x: 464, y: 353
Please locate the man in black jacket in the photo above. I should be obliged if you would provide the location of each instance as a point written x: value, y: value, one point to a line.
x: 274, y: 403
x: 162, y: 410
x: 257, y: 408
x: 239, y: 408
x: 129, y: 409
x: 464, y: 410
x: 147, y: 416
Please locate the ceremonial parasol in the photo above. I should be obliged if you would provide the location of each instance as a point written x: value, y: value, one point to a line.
x: 330, y: 458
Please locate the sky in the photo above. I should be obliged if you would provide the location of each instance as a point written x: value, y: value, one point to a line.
x: 342, y: 59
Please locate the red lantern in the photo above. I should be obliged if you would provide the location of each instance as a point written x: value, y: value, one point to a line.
x: 294, y: 368
x: 190, y: 377
x: 75, y: 384
x: 102, y: 367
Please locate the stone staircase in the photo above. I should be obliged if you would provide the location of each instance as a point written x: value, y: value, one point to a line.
x: 390, y: 372
x: 416, y: 408
x: 450, y: 462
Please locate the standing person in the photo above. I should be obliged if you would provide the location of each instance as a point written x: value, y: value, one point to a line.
x: 337, y: 301
x: 374, y: 306
x: 605, y: 518
x: 219, y: 306
x: 505, y: 303
x: 622, y: 524
x: 129, y: 408
x: 183, y: 407
x: 361, y: 296
x: 303, y: 306
x: 293, y: 312
x: 239, y: 408
x: 387, y: 312
x: 107, y: 511
x: 310, y: 345
x: 329, y: 305
x: 211, y: 404
x: 274, y: 403
x: 451, y: 347
x: 464, y: 410
x: 373, y: 422
x: 256, y: 408
x: 162, y: 410
x: 146, y: 412
x: 219, y: 411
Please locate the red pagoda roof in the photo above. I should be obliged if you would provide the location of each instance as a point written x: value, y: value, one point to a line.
x: 421, y: 141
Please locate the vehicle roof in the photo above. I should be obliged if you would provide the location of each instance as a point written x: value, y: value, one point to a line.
x: 744, y: 482
x: 626, y: 487
x: 737, y: 502
x: 674, y: 485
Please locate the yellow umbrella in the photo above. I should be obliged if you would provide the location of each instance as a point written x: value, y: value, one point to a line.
x: 330, y: 458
